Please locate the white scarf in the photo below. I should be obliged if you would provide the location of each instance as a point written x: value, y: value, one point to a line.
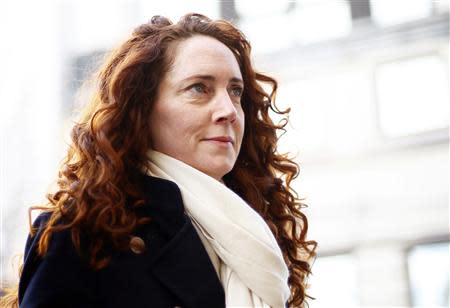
x: 241, y: 246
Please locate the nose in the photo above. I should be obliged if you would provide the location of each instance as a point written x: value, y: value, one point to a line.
x: 224, y: 109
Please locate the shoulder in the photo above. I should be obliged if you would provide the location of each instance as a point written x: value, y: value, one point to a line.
x: 59, y: 243
x: 52, y: 275
x: 147, y: 278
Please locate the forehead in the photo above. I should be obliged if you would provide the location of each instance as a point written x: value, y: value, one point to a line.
x: 203, y: 55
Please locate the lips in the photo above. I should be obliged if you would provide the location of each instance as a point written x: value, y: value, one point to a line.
x: 221, y: 139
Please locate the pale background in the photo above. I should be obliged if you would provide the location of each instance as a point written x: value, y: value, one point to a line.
x: 368, y: 84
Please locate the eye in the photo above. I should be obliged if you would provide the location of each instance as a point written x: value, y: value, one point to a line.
x: 198, y: 88
x: 237, y: 91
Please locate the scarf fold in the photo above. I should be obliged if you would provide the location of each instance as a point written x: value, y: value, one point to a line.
x: 241, y: 246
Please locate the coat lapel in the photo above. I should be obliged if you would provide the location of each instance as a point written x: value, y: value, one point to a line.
x: 181, y: 262
x: 185, y: 268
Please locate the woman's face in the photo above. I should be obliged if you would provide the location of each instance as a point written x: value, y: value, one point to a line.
x: 197, y: 117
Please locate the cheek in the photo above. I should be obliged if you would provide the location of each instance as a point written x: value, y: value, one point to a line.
x: 165, y: 118
x: 179, y: 127
x: 188, y: 125
x: 241, y: 128
x: 163, y: 125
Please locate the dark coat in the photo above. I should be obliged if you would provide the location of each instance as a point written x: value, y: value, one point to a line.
x: 173, y: 270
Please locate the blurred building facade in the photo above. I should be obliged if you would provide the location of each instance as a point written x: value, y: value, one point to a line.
x: 367, y: 84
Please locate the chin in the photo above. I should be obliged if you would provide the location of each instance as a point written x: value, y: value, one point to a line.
x: 219, y: 171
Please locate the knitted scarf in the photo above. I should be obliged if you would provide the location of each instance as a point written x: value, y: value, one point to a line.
x: 243, y: 250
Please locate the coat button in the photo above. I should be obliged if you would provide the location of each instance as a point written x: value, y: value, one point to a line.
x: 137, y: 245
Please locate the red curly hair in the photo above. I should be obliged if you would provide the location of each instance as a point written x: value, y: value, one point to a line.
x: 97, y: 192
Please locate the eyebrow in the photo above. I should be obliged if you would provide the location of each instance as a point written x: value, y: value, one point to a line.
x: 211, y: 78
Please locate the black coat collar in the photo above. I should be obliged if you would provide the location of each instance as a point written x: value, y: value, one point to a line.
x: 175, y: 253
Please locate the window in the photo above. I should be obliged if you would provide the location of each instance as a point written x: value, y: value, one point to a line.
x: 307, y: 128
x: 330, y: 113
x: 441, y: 6
x: 336, y: 283
x: 412, y: 95
x: 263, y: 8
x: 266, y: 24
x: 174, y: 9
x: 387, y: 13
x: 275, y: 25
x: 428, y: 267
x: 319, y: 20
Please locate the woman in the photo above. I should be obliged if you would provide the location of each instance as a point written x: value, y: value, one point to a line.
x: 172, y: 192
